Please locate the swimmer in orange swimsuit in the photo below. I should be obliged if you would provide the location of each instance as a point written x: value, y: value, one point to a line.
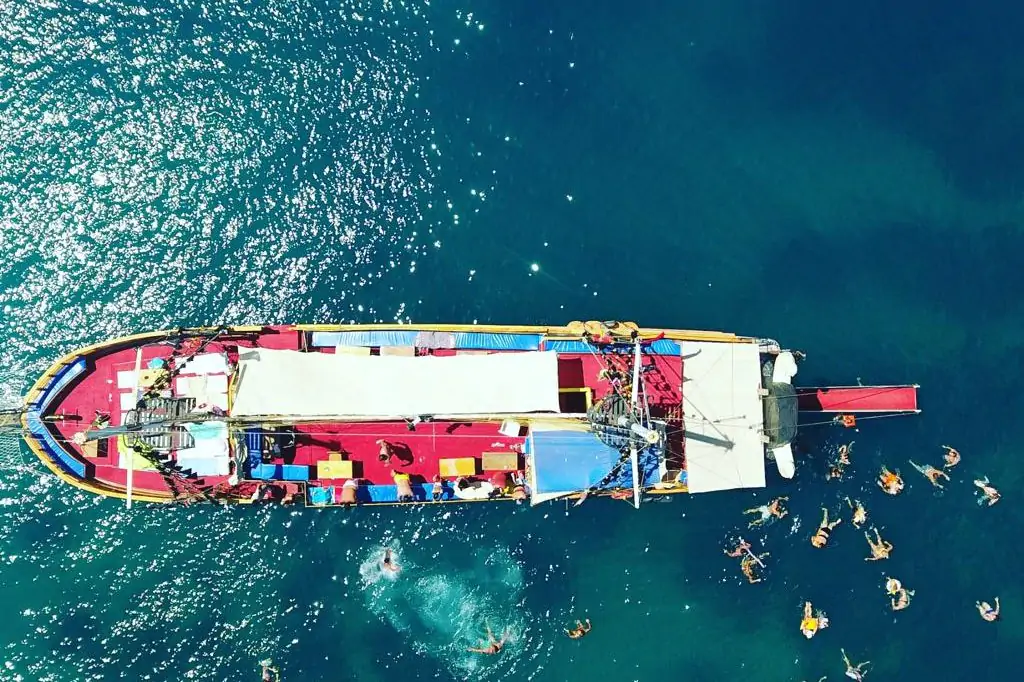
x: 890, y: 482
x: 579, y: 631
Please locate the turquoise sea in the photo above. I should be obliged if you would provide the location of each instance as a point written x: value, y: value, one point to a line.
x: 846, y: 179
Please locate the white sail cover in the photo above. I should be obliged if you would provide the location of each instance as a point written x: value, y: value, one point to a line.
x: 724, y: 418
x: 285, y: 382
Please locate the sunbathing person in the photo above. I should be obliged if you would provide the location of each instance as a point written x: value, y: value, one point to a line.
x: 490, y: 645
x: 989, y: 493
x: 890, y: 482
x: 952, y: 457
x: 854, y: 672
x: 812, y: 622
x: 387, y: 450
x: 880, y: 549
x: 404, y: 485
x: 579, y: 631
x: 987, y: 612
x: 820, y: 538
x: 860, y: 514
x: 931, y: 473
x: 768, y: 511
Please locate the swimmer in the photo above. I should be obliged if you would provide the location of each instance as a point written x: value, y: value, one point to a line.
x: 854, y: 672
x: 987, y: 612
x: 838, y: 468
x: 579, y: 631
x: 820, y: 538
x: 900, y: 596
x: 768, y: 511
x: 271, y: 673
x: 747, y: 564
x: 490, y: 645
x: 812, y: 622
x: 890, y: 482
x: 952, y: 457
x: 742, y: 548
x: 388, y: 563
x: 931, y: 473
x: 880, y: 549
x: 989, y: 493
x: 860, y: 514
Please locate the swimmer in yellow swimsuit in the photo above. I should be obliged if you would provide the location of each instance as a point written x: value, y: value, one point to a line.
x: 812, y: 622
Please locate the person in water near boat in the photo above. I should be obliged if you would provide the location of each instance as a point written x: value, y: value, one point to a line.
x: 812, y: 621
x: 880, y: 549
x: 989, y: 493
x: 270, y: 673
x: 747, y: 564
x: 388, y: 563
x: 838, y: 468
x: 890, y: 481
x: 931, y: 473
x: 860, y: 514
x: 580, y: 630
x: 741, y: 549
x: 768, y: 511
x: 820, y: 537
x: 952, y: 457
x: 899, y: 595
x: 987, y: 612
x: 854, y: 672
x: 490, y: 645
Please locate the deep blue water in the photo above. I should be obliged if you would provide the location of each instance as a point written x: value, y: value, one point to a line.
x: 846, y: 180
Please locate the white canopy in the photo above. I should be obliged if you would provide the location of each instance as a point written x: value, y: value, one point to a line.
x: 724, y: 418
x: 285, y: 382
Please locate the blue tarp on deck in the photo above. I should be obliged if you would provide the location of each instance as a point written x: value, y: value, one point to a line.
x: 659, y: 347
x: 567, y: 461
x: 425, y: 339
x: 570, y: 461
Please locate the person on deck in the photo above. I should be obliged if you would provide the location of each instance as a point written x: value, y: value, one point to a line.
x: 890, y: 482
x: 349, y: 490
x: 812, y: 622
x: 989, y: 493
x: 438, y: 490
x: 820, y: 538
x: 580, y: 630
x: 404, y: 486
x: 931, y: 473
x: 880, y: 549
x: 387, y: 450
x: 952, y: 457
x: 490, y: 645
x: 860, y: 514
x: 768, y: 511
x: 854, y: 672
x: 987, y: 612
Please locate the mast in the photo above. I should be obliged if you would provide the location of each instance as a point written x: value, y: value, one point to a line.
x: 633, y: 455
x: 135, y: 402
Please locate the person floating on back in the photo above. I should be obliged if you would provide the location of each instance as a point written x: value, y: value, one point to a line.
x: 952, y: 457
x: 899, y: 595
x: 931, y: 473
x: 986, y: 611
x: 491, y: 645
x: 812, y: 622
x: 838, y: 468
x: 820, y: 537
x: 880, y: 549
x: 989, y: 493
x: 854, y: 672
x: 580, y: 630
x: 890, y: 482
x: 772, y: 510
x: 271, y: 673
x: 860, y: 514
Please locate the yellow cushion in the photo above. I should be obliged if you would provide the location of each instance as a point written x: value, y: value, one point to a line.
x: 458, y: 466
x: 334, y: 469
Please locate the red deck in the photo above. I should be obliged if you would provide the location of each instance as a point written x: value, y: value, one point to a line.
x: 422, y: 448
x: 858, y: 399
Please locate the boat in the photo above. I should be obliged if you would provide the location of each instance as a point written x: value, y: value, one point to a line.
x: 329, y: 415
